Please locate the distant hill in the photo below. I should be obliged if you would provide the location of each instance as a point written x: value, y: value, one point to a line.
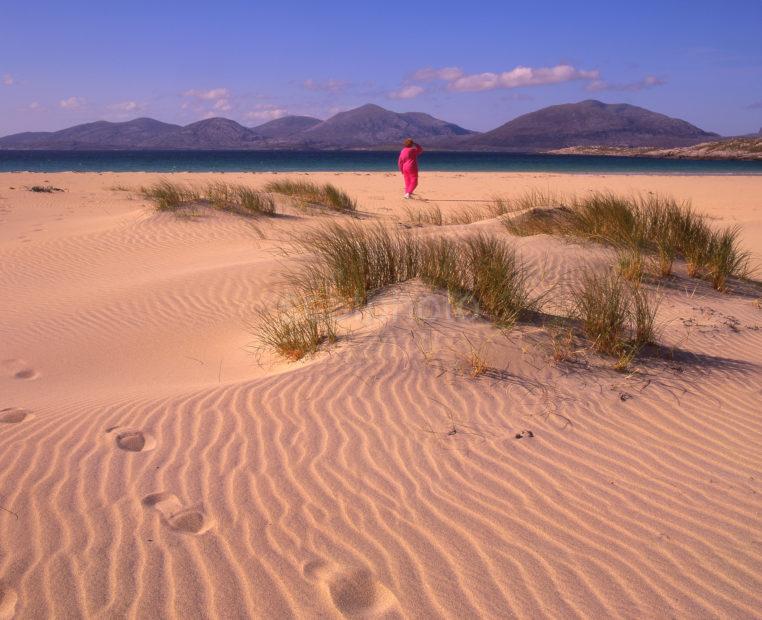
x: 590, y: 123
x: 364, y: 127
x: 584, y: 124
x: 371, y: 125
x: 137, y: 133
x: 285, y: 127
x: 211, y: 133
x: 728, y: 148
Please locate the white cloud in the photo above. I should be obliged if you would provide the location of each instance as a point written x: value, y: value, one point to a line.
x: 35, y: 106
x: 328, y: 86
x: 406, y: 92
x: 266, y: 112
x: 208, y: 95
x: 520, y: 76
x: 8, y: 79
x: 222, y: 105
x: 72, y: 103
x: 126, y: 106
x: 650, y: 81
x: 428, y: 74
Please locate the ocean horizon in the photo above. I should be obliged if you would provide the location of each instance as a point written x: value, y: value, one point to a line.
x: 357, y: 161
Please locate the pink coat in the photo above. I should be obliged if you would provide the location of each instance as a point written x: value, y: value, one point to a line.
x: 408, y: 161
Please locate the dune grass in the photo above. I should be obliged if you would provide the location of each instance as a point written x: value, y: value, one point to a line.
x: 617, y: 316
x: 482, y: 272
x: 296, y: 331
x: 350, y: 262
x: 241, y: 199
x: 326, y: 195
x: 724, y: 259
x: 169, y: 196
x: 656, y: 225
x: 429, y: 215
x: 347, y: 263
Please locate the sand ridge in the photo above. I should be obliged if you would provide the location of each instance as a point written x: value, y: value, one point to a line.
x: 155, y: 464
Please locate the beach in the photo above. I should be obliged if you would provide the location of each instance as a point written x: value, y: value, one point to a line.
x: 157, y: 461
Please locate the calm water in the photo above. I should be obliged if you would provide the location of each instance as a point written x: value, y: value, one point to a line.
x: 285, y: 161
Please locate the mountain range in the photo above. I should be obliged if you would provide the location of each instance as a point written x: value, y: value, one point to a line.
x: 587, y: 123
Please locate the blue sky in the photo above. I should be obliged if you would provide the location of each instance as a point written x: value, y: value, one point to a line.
x: 478, y: 64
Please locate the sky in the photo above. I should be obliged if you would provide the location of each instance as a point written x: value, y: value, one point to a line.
x: 477, y: 64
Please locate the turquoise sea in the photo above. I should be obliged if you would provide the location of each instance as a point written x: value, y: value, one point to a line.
x: 354, y: 161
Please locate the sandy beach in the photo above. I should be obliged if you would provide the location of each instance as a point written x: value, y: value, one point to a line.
x: 156, y: 462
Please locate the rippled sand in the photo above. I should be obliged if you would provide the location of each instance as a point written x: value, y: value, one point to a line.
x: 154, y: 463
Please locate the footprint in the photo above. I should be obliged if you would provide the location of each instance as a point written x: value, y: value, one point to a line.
x: 134, y: 440
x: 354, y: 592
x: 14, y: 416
x: 8, y: 600
x: 191, y: 520
x: 26, y: 373
x: 19, y: 370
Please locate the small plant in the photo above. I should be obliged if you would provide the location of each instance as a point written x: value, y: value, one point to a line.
x: 353, y: 261
x: 618, y: 317
x: 168, y: 196
x: 496, y: 279
x: 45, y: 189
x: 600, y: 302
x: 475, y: 361
x: 625, y: 357
x: 562, y: 342
x: 643, y: 309
x: 424, y: 216
x: 326, y: 195
x: 297, y: 331
x: 724, y: 259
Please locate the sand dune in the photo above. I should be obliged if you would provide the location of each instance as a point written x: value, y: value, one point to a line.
x: 153, y: 463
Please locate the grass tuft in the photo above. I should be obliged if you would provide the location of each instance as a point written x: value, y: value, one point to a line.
x: 297, y: 331
x: 351, y: 262
x: 44, y: 189
x: 618, y: 317
x: 424, y: 216
x: 325, y: 195
x: 725, y: 259
x: 169, y: 196
x: 656, y: 225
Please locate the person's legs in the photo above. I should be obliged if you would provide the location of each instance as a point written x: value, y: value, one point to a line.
x: 406, y: 176
x: 411, y: 182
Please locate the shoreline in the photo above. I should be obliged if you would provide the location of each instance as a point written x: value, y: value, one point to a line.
x: 423, y: 172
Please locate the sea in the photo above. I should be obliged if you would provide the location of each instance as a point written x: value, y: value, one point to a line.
x: 356, y: 161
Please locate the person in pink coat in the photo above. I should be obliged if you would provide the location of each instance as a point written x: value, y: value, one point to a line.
x: 408, y: 165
